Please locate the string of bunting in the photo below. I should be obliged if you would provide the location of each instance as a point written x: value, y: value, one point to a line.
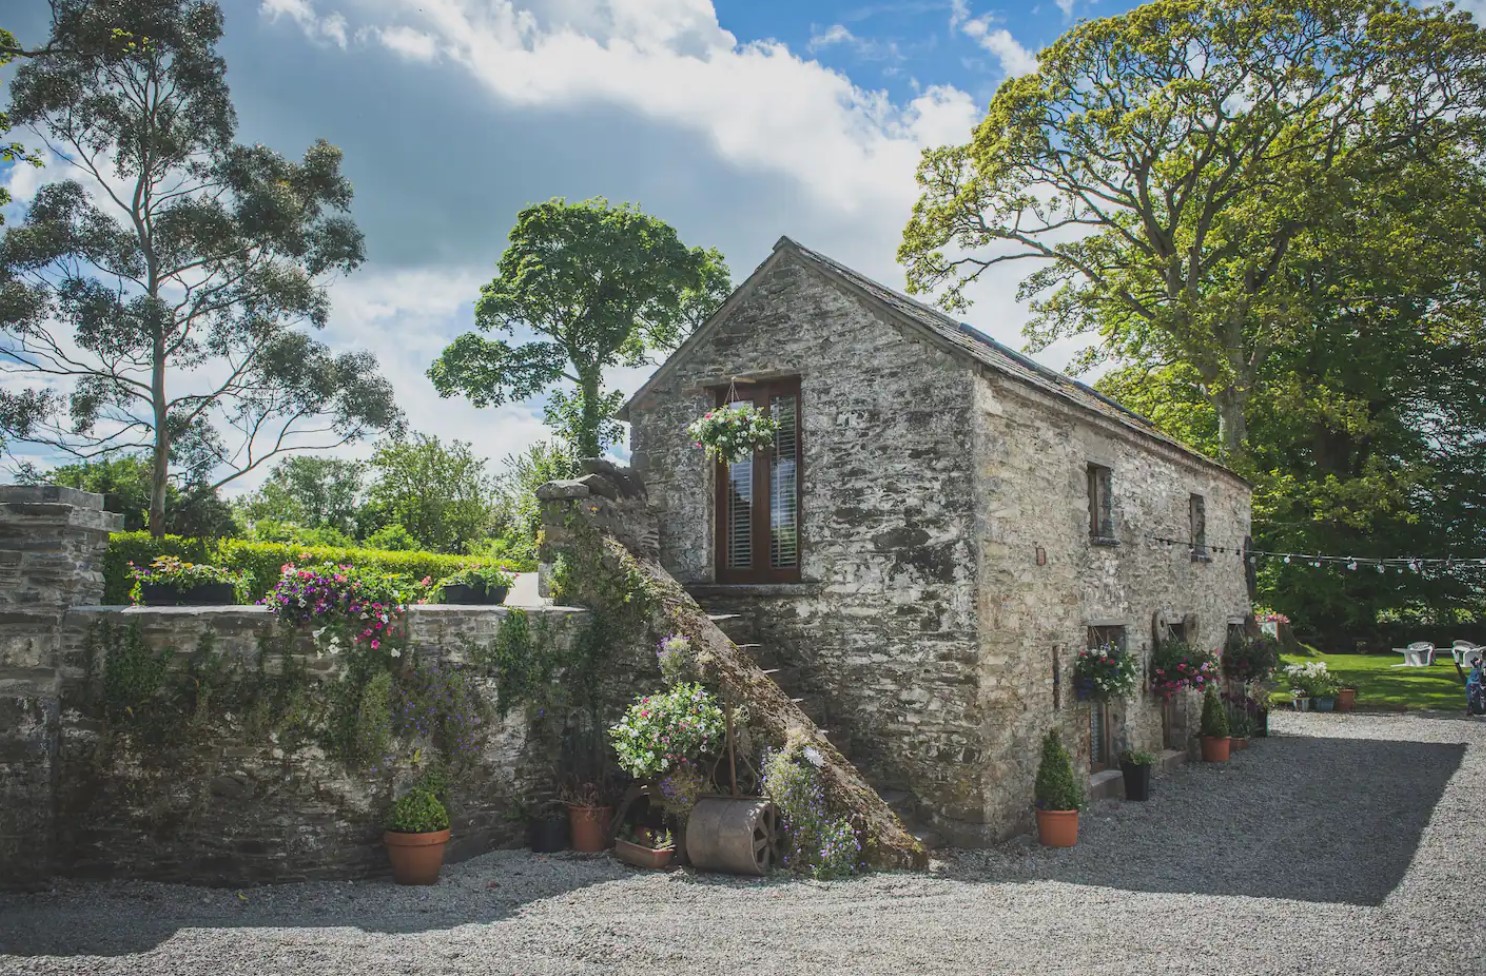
x: 1381, y: 564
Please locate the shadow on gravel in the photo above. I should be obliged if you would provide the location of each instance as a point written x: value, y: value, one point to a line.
x: 115, y: 919
x: 1300, y: 818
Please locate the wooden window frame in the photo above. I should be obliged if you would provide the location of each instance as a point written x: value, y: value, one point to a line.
x: 760, y: 393
x: 1098, y: 524
x: 1197, y: 527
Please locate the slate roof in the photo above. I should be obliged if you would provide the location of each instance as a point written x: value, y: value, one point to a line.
x: 965, y: 339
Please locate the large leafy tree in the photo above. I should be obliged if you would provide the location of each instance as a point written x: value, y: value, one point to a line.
x: 124, y: 483
x: 310, y: 492
x: 596, y: 286
x: 156, y: 303
x: 1170, y: 168
x: 440, y: 493
x: 1368, y: 423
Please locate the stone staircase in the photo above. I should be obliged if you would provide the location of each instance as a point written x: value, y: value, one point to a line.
x: 791, y: 679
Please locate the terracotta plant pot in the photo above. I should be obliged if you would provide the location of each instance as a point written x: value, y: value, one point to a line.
x: 590, y: 827
x: 1057, y: 828
x: 1238, y: 743
x: 643, y: 857
x: 1215, y: 749
x: 416, y: 858
x: 1346, y: 699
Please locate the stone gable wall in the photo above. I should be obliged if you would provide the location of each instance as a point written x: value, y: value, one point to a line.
x: 924, y: 632
x: 882, y: 631
x: 1031, y: 456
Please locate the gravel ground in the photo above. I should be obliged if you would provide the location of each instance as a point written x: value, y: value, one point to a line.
x: 1346, y: 844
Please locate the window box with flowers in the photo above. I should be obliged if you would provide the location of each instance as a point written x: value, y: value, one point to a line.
x: 169, y: 581
x: 1104, y: 673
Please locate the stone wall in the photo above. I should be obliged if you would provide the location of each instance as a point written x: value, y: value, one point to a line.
x: 50, y: 558
x: 223, y: 805
x: 234, y: 807
x: 881, y: 633
x: 1031, y: 455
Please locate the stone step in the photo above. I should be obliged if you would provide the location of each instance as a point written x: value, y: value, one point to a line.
x: 738, y: 628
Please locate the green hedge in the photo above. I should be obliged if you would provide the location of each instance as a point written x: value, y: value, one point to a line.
x: 263, y: 560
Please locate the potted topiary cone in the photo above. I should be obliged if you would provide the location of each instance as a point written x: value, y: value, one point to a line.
x: 1215, y: 741
x: 1059, y: 797
x: 417, y: 833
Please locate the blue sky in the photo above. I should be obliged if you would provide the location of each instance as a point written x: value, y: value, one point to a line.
x: 736, y: 120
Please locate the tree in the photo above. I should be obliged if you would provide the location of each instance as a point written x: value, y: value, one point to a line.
x: 157, y: 308
x: 600, y: 286
x: 310, y: 492
x: 439, y: 493
x: 1368, y: 426
x: 1169, y: 167
x: 124, y: 483
x: 516, y: 488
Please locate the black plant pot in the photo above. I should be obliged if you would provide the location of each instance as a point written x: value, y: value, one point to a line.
x: 1137, y: 780
x: 200, y: 595
x: 1260, y: 729
x: 472, y: 594
x: 547, y: 835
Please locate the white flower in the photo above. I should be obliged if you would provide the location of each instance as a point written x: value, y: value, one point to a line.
x: 396, y: 652
x: 813, y: 756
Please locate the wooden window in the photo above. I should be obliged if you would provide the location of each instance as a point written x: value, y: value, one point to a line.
x: 1197, y: 525
x: 1101, y: 750
x: 1101, y: 503
x: 758, y: 498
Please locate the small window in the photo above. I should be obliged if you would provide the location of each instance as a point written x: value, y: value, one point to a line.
x: 1101, y: 503
x: 1197, y: 526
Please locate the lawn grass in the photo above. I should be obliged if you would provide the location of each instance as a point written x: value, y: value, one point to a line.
x: 1380, y: 685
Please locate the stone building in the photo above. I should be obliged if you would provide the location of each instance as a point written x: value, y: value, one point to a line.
x: 941, y: 525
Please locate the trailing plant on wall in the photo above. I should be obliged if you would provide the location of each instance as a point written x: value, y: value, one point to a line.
x: 820, y: 843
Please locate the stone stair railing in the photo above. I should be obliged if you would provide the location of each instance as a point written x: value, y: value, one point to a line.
x: 604, y: 513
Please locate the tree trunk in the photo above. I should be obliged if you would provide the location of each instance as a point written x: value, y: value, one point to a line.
x: 589, y: 420
x: 1233, y: 426
x: 160, y: 469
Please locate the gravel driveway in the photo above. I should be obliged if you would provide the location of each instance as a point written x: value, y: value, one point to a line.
x: 1347, y: 844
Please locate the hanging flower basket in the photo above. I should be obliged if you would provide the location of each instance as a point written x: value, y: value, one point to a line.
x: 733, y: 432
x: 1104, y: 673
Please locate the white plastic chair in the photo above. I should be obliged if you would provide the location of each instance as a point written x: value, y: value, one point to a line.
x: 1419, y: 654
x: 1461, y: 648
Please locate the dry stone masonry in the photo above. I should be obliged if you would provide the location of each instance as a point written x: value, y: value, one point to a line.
x: 948, y: 574
x: 231, y: 809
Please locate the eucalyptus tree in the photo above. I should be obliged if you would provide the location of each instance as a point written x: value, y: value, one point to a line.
x: 597, y: 286
x: 159, y: 300
x: 1169, y: 169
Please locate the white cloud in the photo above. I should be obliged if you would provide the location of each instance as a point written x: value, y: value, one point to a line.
x: 834, y: 34
x: 328, y: 29
x: 823, y: 159
x: 1067, y: 7
x: 1013, y: 57
x: 411, y: 44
